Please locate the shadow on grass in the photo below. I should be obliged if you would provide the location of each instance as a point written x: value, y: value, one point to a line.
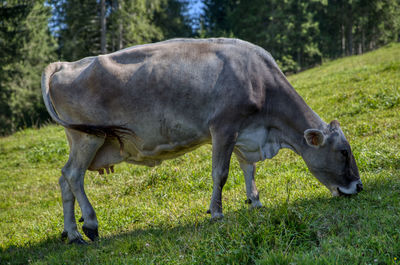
x: 243, y: 236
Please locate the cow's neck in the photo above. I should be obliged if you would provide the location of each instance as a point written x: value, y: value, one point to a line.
x: 292, y: 116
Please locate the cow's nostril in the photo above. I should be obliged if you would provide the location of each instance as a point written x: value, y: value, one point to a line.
x: 359, y: 187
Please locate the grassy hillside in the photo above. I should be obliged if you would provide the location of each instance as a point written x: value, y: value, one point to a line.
x: 158, y: 215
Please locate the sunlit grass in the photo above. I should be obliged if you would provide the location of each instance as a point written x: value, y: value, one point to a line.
x: 158, y: 215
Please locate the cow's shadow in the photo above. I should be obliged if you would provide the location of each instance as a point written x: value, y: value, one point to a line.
x: 287, y: 223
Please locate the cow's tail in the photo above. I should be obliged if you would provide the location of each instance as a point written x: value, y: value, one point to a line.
x: 114, y: 131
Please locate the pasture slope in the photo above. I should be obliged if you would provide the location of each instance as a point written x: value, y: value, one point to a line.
x: 158, y: 215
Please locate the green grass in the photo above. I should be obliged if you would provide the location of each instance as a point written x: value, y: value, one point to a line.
x: 158, y: 215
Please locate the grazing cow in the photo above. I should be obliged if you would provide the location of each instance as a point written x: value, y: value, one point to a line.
x: 153, y: 102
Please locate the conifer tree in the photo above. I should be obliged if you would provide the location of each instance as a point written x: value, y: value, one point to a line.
x: 26, y: 47
x: 301, y: 33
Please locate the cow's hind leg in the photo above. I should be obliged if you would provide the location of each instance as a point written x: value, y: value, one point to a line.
x: 223, y: 142
x: 249, y: 170
x: 68, y: 201
x: 83, y: 148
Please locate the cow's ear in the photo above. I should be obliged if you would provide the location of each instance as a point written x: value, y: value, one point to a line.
x: 334, y: 125
x: 314, y: 138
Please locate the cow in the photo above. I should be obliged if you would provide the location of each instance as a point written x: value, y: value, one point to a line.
x: 152, y: 102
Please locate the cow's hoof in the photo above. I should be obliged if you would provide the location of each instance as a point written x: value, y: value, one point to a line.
x: 248, y: 201
x: 256, y: 204
x: 217, y: 216
x: 92, y: 234
x: 64, y: 235
x: 253, y: 203
x: 78, y: 241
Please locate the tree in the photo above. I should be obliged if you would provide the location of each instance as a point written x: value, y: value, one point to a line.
x: 135, y: 19
x: 90, y: 27
x: 285, y: 28
x: 218, y: 19
x: 78, y: 28
x: 145, y: 21
x: 300, y: 33
x: 173, y: 20
x: 26, y: 47
x: 103, y: 26
x: 376, y: 23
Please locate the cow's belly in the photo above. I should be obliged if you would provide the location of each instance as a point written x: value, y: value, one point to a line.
x: 154, y: 153
x: 150, y: 148
x: 254, y: 143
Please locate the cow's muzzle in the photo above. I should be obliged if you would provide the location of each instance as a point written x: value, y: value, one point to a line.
x: 354, y: 188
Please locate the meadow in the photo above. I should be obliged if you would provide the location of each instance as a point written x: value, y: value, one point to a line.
x: 158, y: 215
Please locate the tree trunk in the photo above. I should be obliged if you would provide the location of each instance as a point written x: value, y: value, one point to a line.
x: 299, y: 58
x: 343, y: 40
x: 350, y: 37
x: 103, y: 47
x: 363, y: 40
x: 350, y: 30
x: 120, y: 38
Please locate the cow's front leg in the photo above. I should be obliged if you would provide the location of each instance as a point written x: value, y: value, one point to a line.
x: 249, y: 170
x: 223, y: 143
x: 83, y: 148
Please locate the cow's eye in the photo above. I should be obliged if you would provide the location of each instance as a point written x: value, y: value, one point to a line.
x: 344, y: 152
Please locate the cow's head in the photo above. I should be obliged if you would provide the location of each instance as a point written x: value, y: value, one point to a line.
x: 330, y: 159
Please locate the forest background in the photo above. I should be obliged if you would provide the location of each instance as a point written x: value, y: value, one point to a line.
x: 298, y: 33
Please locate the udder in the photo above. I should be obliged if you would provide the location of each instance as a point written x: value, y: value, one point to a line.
x: 107, y: 156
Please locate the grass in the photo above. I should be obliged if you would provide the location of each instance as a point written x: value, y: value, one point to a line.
x: 158, y: 215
